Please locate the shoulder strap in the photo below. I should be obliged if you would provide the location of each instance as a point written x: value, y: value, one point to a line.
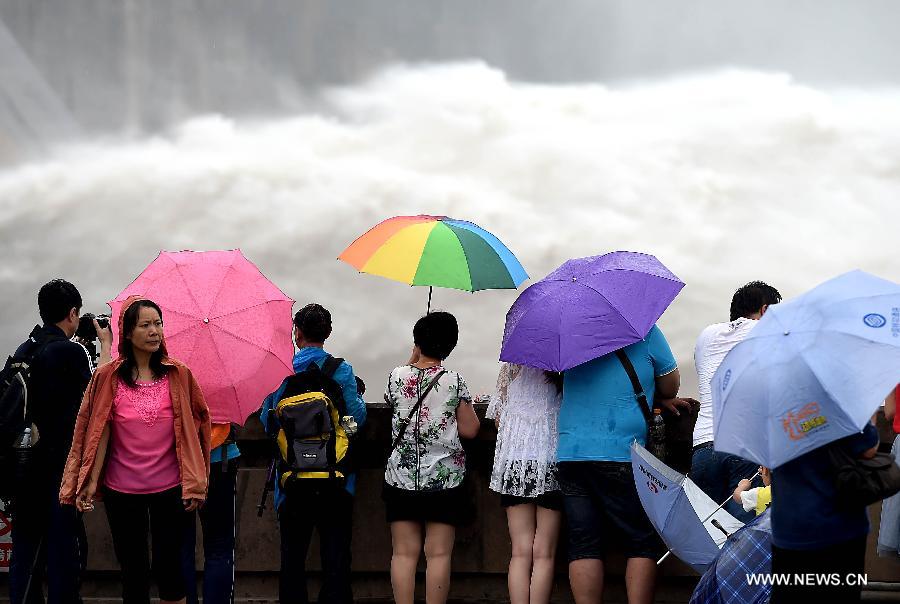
x: 404, y: 423
x: 330, y: 365
x: 636, y: 384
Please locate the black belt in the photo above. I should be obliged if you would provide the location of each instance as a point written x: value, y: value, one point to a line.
x: 708, y: 443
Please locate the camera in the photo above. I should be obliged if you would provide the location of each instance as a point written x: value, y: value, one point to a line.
x: 86, y: 330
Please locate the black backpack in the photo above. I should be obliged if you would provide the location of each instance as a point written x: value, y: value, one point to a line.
x: 312, y: 443
x: 15, y: 414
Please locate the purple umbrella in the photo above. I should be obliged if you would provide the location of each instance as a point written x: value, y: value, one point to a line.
x: 586, y: 308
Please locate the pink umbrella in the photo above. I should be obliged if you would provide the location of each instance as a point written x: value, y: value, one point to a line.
x: 225, y: 320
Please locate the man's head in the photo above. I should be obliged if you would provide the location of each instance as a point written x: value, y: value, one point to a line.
x: 752, y: 300
x: 59, y: 303
x: 436, y: 335
x: 312, y: 325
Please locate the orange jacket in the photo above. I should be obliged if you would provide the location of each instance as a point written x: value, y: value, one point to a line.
x: 192, y: 430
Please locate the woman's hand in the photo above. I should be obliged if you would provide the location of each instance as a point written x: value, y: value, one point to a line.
x: 84, y: 501
x: 192, y: 504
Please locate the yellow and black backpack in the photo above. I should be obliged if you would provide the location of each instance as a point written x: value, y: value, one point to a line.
x: 312, y: 444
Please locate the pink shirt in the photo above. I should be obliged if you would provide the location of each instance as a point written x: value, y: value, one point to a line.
x: 141, y: 456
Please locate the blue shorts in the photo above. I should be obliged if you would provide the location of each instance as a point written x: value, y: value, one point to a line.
x: 604, y: 512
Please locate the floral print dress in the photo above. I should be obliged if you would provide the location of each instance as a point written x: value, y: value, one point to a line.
x: 430, y: 456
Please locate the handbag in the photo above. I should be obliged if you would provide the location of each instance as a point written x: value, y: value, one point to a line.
x: 403, y: 422
x: 861, y: 482
x: 679, y: 428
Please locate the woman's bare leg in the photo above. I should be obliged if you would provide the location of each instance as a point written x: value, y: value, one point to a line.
x: 522, y: 522
x: 438, y: 550
x: 544, y: 554
x: 406, y: 539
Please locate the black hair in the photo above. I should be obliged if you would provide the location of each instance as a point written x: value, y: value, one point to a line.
x: 750, y: 299
x: 436, y: 334
x: 554, y: 378
x: 126, y: 350
x: 56, y: 299
x: 314, y: 322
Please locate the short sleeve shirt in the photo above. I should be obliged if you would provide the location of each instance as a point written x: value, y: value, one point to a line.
x: 430, y: 456
x: 600, y: 416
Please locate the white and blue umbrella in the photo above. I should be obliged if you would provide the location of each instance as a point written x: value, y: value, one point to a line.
x: 813, y: 370
x: 693, y: 526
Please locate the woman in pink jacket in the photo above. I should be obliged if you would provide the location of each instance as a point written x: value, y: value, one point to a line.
x: 142, y: 442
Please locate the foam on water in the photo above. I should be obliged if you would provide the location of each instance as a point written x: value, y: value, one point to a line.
x: 726, y: 177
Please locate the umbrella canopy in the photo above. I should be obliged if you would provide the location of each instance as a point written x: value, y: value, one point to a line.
x: 435, y: 251
x: 747, y: 552
x: 223, y: 319
x: 586, y: 308
x: 813, y: 370
x: 690, y: 523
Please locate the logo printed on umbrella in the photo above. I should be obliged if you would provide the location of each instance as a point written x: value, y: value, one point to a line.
x: 726, y: 379
x: 874, y: 320
x: 804, y: 422
x: 654, y: 483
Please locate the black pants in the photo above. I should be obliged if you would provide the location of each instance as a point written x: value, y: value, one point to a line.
x: 327, y: 507
x: 48, y: 543
x: 217, y: 519
x: 132, y: 518
x: 840, y: 562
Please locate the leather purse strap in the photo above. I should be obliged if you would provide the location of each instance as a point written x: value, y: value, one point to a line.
x: 404, y: 423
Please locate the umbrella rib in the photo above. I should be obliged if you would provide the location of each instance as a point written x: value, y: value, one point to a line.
x: 215, y: 299
x: 246, y: 308
x: 185, y: 281
x: 611, y: 305
x: 241, y: 338
x: 466, y: 256
x: 222, y: 364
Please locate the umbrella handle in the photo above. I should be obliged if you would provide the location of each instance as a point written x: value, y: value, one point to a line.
x: 722, y: 505
x: 705, y: 520
x: 428, y: 310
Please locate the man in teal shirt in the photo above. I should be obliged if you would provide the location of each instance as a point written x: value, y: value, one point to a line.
x: 598, y: 421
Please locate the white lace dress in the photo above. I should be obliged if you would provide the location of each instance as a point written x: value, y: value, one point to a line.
x: 525, y: 456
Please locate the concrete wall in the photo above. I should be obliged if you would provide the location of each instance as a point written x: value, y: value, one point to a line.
x: 480, y: 556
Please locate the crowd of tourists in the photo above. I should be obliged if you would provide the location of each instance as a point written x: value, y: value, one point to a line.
x: 135, y: 432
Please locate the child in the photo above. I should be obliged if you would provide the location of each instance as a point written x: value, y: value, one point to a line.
x: 757, y: 499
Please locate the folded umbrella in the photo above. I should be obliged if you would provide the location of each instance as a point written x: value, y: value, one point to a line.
x: 586, y: 308
x: 812, y: 371
x: 693, y: 526
x: 225, y: 320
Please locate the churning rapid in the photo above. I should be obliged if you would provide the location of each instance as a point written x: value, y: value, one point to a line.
x: 726, y: 177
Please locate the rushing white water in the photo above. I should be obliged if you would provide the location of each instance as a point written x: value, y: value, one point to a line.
x: 727, y: 177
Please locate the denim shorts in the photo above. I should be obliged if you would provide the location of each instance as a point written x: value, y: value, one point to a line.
x: 604, y: 512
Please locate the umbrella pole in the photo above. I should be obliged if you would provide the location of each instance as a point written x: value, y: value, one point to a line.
x: 428, y: 311
x: 705, y: 520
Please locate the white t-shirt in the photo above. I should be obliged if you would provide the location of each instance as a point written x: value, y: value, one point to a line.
x: 713, y: 344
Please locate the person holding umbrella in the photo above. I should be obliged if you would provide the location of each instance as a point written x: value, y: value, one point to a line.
x: 797, y: 395
x: 594, y: 319
x: 598, y: 421
x: 423, y: 491
x: 144, y: 427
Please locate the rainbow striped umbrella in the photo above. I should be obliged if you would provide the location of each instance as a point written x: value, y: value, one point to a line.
x: 435, y: 251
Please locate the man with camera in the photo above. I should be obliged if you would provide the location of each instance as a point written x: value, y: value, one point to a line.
x: 46, y: 534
